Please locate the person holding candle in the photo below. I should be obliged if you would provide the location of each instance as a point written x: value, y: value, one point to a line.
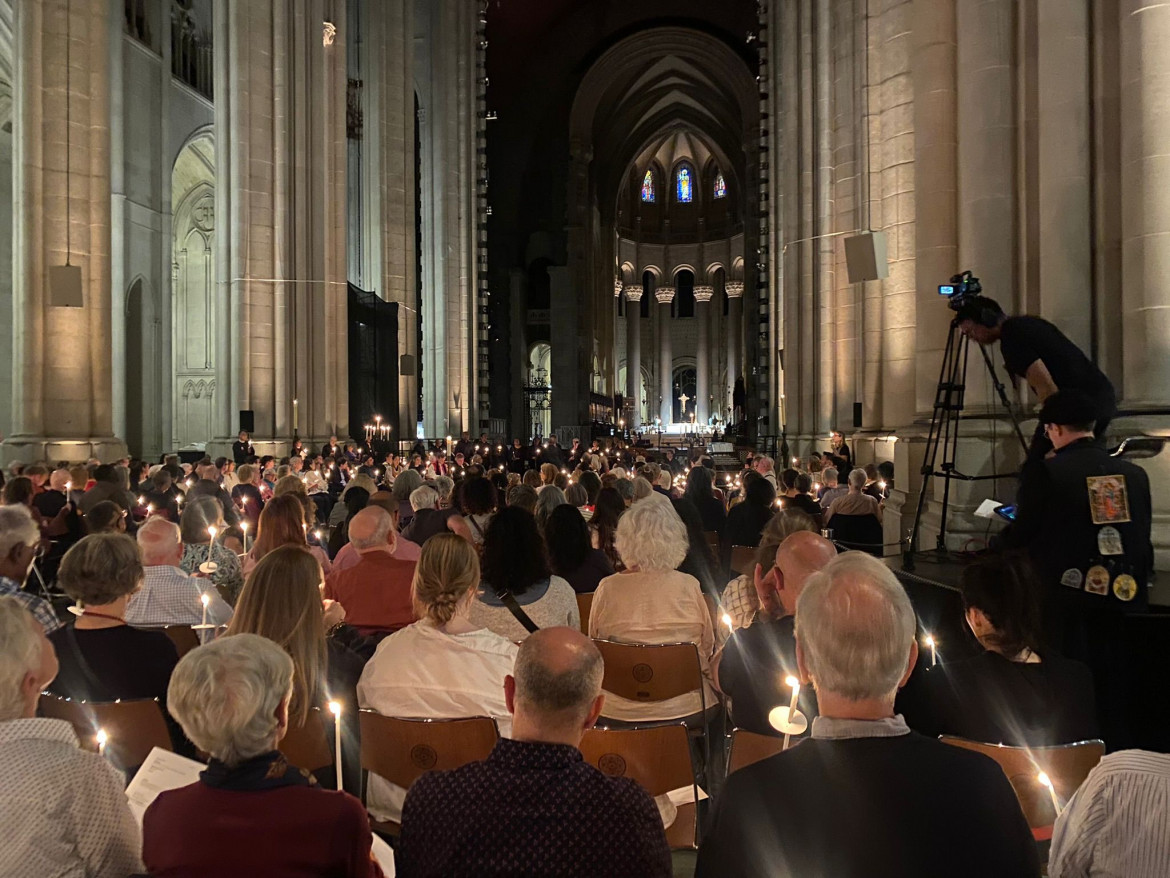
x: 1016, y: 691
x: 282, y: 523
x: 63, y: 809
x: 199, y: 516
x: 754, y: 665
x: 250, y: 812
x: 282, y: 601
x: 865, y: 795
x: 170, y: 596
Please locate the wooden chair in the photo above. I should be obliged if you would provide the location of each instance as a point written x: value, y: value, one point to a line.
x: 651, y: 672
x: 712, y: 539
x: 307, y: 746
x: 584, y: 607
x: 748, y: 747
x: 743, y: 559
x: 133, y: 728
x: 401, y: 750
x: 1066, y: 765
x: 183, y: 637
x: 861, y: 533
x: 658, y: 758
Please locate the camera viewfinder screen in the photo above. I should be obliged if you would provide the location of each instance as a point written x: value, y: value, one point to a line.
x: 946, y: 290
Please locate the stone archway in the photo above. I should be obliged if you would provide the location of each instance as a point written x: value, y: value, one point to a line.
x: 194, y: 324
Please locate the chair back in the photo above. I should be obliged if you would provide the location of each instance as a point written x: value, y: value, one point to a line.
x: 657, y: 758
x: 861, y: 532
x: 183, y: 637
x: 401, y: 750
x: 743, y: 559
x: 748, y: 747
x: 307, y: 746
x: 584, y: 606
x: 1066, y: 765
x: 133, y: 728
x: 650, y: 672
x: 712, y: 538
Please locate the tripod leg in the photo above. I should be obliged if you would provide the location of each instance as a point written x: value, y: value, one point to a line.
x: 1003, y: 398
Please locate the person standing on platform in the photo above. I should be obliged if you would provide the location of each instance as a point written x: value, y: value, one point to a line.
x: 242, y: 449
x: 1038, y: 352
x: 1084, y: 519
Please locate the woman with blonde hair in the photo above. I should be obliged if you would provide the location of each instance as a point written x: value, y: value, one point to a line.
x: 548, y: 474
x: 442, y: 666
x: 282, y: 601
x: 652, y: 602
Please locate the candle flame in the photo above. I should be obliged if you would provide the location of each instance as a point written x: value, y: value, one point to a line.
x: 791, y: 681
x: 727, y: 620
x: 102, y: 739
x: 335, y: 708
x: 244, y: 526
x: 213, y: 530
x: 929, y: 640
x: 1044, y: 779
x: 204, y: 599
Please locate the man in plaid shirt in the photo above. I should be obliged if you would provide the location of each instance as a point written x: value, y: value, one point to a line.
x: 168, y: 595
x: 20, y: 539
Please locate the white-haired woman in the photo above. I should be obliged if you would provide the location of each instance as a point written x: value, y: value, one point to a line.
x: 652, y: 602
x: 250, y: 813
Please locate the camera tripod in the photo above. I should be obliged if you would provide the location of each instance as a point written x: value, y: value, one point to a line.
x: 944, y: 432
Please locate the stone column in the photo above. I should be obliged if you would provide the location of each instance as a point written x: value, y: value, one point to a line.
x: 734, y: 337
x: 703, y: 296
x: 62, y: 405
x: 634, y: 352
x: 665, y: 295
x: 1145, y: 128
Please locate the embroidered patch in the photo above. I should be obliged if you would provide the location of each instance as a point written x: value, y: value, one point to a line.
x: 1108, y: 499
x: 1109, y: 541
x: 1072, y: 577
x: 1097, y: 580
x: 1125, y: 587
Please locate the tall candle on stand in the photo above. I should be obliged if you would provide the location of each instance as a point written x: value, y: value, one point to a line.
x: 335, y: 709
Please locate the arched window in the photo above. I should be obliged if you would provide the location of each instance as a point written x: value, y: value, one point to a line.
x: 686, y: 183
x: 648, y: 186
x: 720, y: 185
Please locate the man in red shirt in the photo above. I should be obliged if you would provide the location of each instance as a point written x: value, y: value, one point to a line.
x: 375, y: 592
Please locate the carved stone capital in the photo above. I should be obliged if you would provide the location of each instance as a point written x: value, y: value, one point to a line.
x: 734, y: 289
x: 664, y: 295
x: 704, y: 293
x: 617, y: 287
x: 633, y: 292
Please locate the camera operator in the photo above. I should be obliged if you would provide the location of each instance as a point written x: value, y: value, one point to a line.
x: 1038, y: 352
x: 1083, y: 517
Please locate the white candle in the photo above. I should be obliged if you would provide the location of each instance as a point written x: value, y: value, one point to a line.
x: 244, y: 528
x: 68, y: 488
x: 296, y: 417
x: 335, y: 709
x: 795, y: 684
x: 205, y: 600
x: 1047, y: 781
x: 102, y: 740
x: 727, y: 622
x: 933, y: 650
x: 212, y: 531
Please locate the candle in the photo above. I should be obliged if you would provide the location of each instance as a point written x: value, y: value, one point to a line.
x: 727, y: 622
x: 244, y: 528
x: 211, y: 531
x: 1047, y: 781
x: 335, y: 709
x: 795, y: 684
x: 296, y: 416
x: 933, y: 650
x: 102, y: 740
x: 205, y: 600
x: 68, y: 488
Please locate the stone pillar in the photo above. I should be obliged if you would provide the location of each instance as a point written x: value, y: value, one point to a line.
x: 734, y: 337
x: 62, y: 405
x: 1145, y: 128
x: 634, y: 352
x: 703, y: 296
x: 665, y: 295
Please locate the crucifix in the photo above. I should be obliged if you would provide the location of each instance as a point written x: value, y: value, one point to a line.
x: 684, y: 399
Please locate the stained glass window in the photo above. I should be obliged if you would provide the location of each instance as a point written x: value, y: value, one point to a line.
x: 648, y: 186
x: 685, y: 184
x: 720, y: 186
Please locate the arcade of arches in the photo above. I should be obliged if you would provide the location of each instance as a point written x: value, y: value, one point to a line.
x: 576, y: 214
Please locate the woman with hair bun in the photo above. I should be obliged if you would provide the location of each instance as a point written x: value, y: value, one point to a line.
x: 442, y: 666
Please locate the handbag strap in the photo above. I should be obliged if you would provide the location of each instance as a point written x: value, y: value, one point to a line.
x: 516, y: 610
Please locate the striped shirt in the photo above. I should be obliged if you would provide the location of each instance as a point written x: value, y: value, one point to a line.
x: 41, y: 609
x: 1118, y: 823
x: 171, y: 597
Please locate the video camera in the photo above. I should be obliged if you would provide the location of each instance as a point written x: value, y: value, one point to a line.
x: 960, y: 290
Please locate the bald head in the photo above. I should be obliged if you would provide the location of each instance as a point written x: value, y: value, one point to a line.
x: 557, y: 678
x: 160, y: 542
x: 372, y: 528
x: 800, y: 556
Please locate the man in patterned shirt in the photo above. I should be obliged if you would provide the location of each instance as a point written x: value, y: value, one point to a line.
x: 169, y: 595
x: 534, y: 806
x: 19, y: 539
x: 62, y: 809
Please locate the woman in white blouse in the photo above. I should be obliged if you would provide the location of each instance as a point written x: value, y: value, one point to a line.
x: 442, y: 666
x: 652, y: 602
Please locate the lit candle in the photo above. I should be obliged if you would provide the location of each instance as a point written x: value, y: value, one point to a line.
x: 102, y: 740
x: 205, y: 600
x: 933, y: 650
x: 795, y: 684
x: 296, y: 415
x: 727, y: 622
x: 68, y: 488
x: 141, y: 499
x: 211, y: 531
x: 335, y: 709
x: 1047, y: 781
x: 244, y: 528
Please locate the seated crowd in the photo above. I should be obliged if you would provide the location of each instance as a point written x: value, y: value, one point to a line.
x: 487, y: 580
